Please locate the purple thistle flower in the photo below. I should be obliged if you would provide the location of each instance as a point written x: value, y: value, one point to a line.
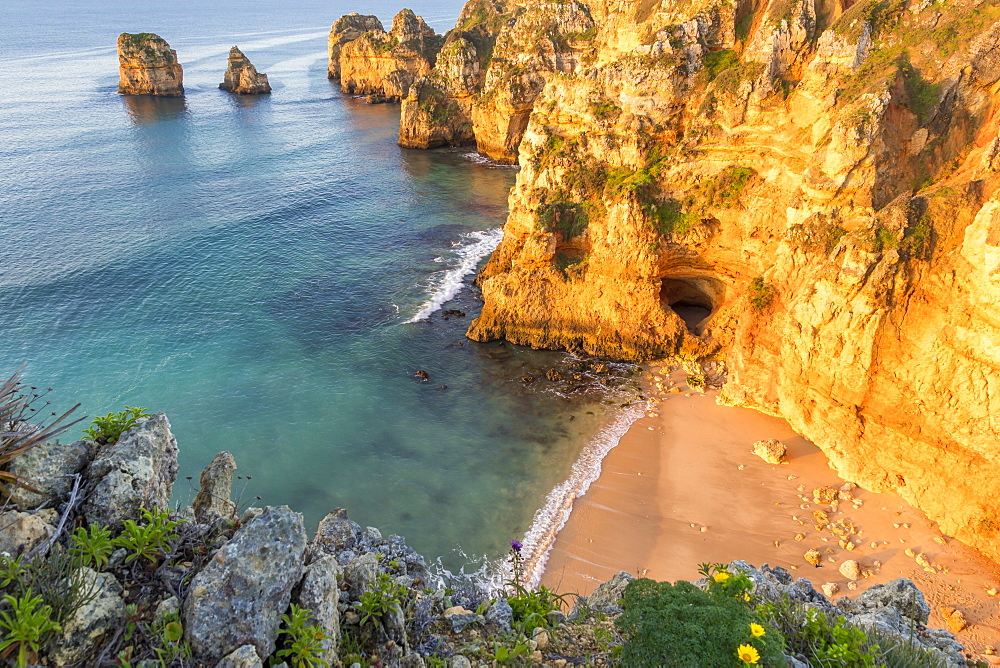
x: 516, y: 546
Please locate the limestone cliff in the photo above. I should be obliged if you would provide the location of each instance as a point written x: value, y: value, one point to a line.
x: 491, y: 70
x: 148, y: 66
x: 347, y: 29
x: 818, y: 181
x: 242, y: 77
x: 387, y: 63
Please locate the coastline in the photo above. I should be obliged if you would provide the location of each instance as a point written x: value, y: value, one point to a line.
x: 682, y: 487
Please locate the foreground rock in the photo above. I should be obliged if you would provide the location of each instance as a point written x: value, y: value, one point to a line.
x: 137, y: 471
x: 49, y: 468
x: 238, y: 599
x: 148, y: 66
x: 242, y: 77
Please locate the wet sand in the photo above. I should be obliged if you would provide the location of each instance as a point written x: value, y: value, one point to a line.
x: 683, y: 488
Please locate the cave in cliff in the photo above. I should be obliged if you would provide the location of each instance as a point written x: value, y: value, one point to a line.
x: 693, y: 299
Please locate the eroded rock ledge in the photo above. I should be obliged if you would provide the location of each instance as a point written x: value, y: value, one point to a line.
x: 148, y: 66
x: 225, y: 576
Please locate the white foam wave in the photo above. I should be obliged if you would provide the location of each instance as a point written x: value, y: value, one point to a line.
x: 472, y: 156
x: 552, y: 516
x: 444, y: 285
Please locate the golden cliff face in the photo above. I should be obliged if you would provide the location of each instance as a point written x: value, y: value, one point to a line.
x: 387, y: 63
x: 347, y: 29
x: 148, y: 66
x: 820, y: 181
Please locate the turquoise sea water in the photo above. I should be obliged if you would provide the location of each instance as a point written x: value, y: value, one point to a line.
x: 270, y: 272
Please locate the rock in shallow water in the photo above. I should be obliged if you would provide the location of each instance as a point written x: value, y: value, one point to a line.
x: 242, y: 77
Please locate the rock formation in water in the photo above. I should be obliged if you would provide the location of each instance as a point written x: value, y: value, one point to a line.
x: 242, y: 77
x: 821, y: 179
x: 383, y: 63
x: 148, y: 66
x: 347, y: 29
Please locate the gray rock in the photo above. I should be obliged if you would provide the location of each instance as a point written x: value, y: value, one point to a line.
x: 360, y: 574
x: 49, y: 468
x: 499, y: 616
x: 459, y: 661
x: 101, y: 614
x: 243, y: 657
x: 166, y: 608
x: 459, y: 618
x: 336, y: 533
x: 605, y: 598
x: 136, y: 471
x: 239, y: 597
x: 412, y: 661
x: 373, y: 535
x: 900, y: 594
x: 22, y: 532
x: 212, y: 502
x: 321, y: 594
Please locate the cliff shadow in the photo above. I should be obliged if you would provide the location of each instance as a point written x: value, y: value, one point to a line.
x: 150, y: 109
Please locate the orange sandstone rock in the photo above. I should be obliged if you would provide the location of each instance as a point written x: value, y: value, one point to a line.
x: 148, y: 66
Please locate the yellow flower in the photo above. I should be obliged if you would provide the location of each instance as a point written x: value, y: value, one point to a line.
x: 721, y: 576
x: 748, y: 654
x: 746, y: 596
x: 757, y: 630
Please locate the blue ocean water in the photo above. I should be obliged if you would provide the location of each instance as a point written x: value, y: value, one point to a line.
x: 270, y: 272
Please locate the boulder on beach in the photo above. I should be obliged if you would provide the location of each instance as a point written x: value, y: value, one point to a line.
x: 771, y: 450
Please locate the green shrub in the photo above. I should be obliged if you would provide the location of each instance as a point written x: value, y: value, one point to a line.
x: 668, y: 217
x: 681, y: 625
x: 26, y: 626
x: 531, y: 607
x: 109, y: 428
x: 149, y: 540
x: 91, y: 547
x: 303, y: 641
x: 718, y: 61
x: 761, y: 294
x: 725, y: 189
x: 604, y: 109
x: 917, y: 238
x: 380, y: 599
x: 623, y: 181
x: 570, y: 219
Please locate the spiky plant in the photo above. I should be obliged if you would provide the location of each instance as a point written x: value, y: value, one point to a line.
x: 24, y: 424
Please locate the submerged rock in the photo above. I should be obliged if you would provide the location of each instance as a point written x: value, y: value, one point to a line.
x: 148, y: 66
x: 242, y: 77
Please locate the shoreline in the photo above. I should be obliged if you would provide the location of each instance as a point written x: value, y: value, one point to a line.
x: 682, y: 487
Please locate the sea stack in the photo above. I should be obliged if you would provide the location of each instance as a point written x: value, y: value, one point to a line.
x: 347, y: 29
x: 148, y: 66
x: 242, y: 77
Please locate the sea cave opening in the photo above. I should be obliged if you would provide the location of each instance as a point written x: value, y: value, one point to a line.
x: 692, y: 299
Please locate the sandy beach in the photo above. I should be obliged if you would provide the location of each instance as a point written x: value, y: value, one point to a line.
x: 683, y: 487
